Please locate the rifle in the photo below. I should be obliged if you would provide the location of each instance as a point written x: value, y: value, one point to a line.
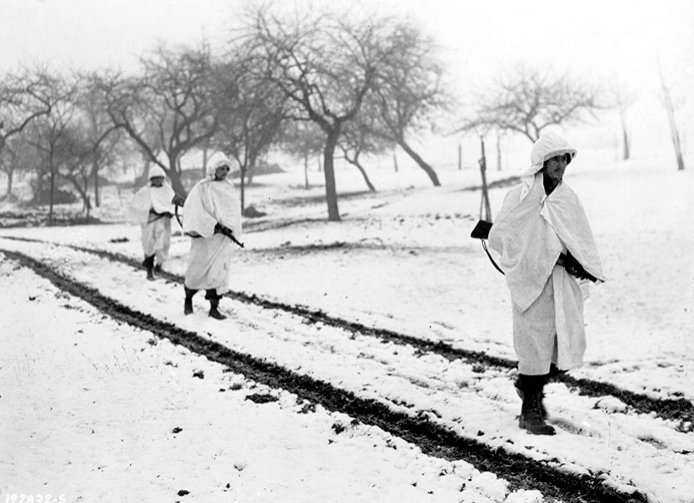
x: 218, y: 228
x: 574, y: 267
x: 226, y: 231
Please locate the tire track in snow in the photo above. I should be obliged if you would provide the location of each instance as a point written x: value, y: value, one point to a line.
x: 433, y: 439
x: 679, y: 410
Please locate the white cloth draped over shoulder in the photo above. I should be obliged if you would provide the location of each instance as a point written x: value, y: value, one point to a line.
x: 155, y: 228
x: 530, y: 232
x: 210, y: 202
x: 151, y: 198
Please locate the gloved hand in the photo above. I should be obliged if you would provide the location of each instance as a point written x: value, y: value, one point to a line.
x: 226, y: 231
x: 574, y: 268
x: 222, y: 229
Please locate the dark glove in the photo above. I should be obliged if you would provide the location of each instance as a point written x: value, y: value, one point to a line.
x: 178, y: 200
x: 575, y: 268
x: 222, y: 229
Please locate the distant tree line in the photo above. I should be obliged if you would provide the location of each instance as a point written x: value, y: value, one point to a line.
x: 312, y: 85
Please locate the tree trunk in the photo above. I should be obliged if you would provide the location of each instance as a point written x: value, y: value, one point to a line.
x: 625, y: 137
x: 174, y: 173
x: 306, y: 185
x: 460, y: 157
x: 625, y: 140
x: 176, y: 184
x: 95, y: 169
x: 675, y: 138
x: 86, y: 204
x: 674, y: 133
x: 427, y: 169
x: 355, y: 162
x: 329, y: 171
x: 395, y: 161
x: 50, y: 204
x: 204, y: 162
x: 10, y: 174
x: 141, y: 179
x: 243, y: 187
x: 81, y: 190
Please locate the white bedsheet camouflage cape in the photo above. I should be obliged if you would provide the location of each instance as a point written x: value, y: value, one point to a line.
x: 211, y: 202
x: 149, y: 197
x: 530, y: 233
x: 156, y: 230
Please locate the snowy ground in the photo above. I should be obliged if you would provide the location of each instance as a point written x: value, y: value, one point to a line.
x: 92, y: 404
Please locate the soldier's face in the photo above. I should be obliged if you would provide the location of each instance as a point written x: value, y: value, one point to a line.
x: 221, y: 172
x: 555, y: 167
x: 157, y: 181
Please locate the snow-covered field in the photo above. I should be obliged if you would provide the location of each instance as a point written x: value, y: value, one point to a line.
x: 95, y: 409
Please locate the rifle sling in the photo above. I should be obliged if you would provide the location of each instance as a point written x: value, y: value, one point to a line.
x: 484, y: 245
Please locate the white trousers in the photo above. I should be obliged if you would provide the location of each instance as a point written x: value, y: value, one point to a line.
x: 156, y: 239
x: 551, y: 330
x: 209, y: 263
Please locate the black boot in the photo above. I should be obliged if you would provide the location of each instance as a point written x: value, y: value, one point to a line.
x: 212, y: 296
x: 188, y: 304
x: 554, y: 371
x: 531, y: 414
x: 148, y: 262
x: 519, y: 392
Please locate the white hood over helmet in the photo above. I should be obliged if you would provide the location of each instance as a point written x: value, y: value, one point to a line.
x: 212, y: 201
x: 547, y: 146
x: 217, y: 160
x: 156, y: 171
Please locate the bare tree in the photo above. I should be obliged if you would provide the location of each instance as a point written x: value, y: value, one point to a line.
x: 24, y: 97
x: 171, y: 108
x: 72, y: 154
x: 66, y: 141
x: 13, y: 160
x: 527, y: 100
x: 50, y: 136
x: 325, y: 66
x: 304, y: 140
x: 357, y: 140
x: 622, y: 99
x: 100, y: 136
x: 408, y: 91
x: 255, y: 112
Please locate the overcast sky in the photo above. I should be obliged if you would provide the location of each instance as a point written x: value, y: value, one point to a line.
x: 615, y: 40
x: 618, y: 37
